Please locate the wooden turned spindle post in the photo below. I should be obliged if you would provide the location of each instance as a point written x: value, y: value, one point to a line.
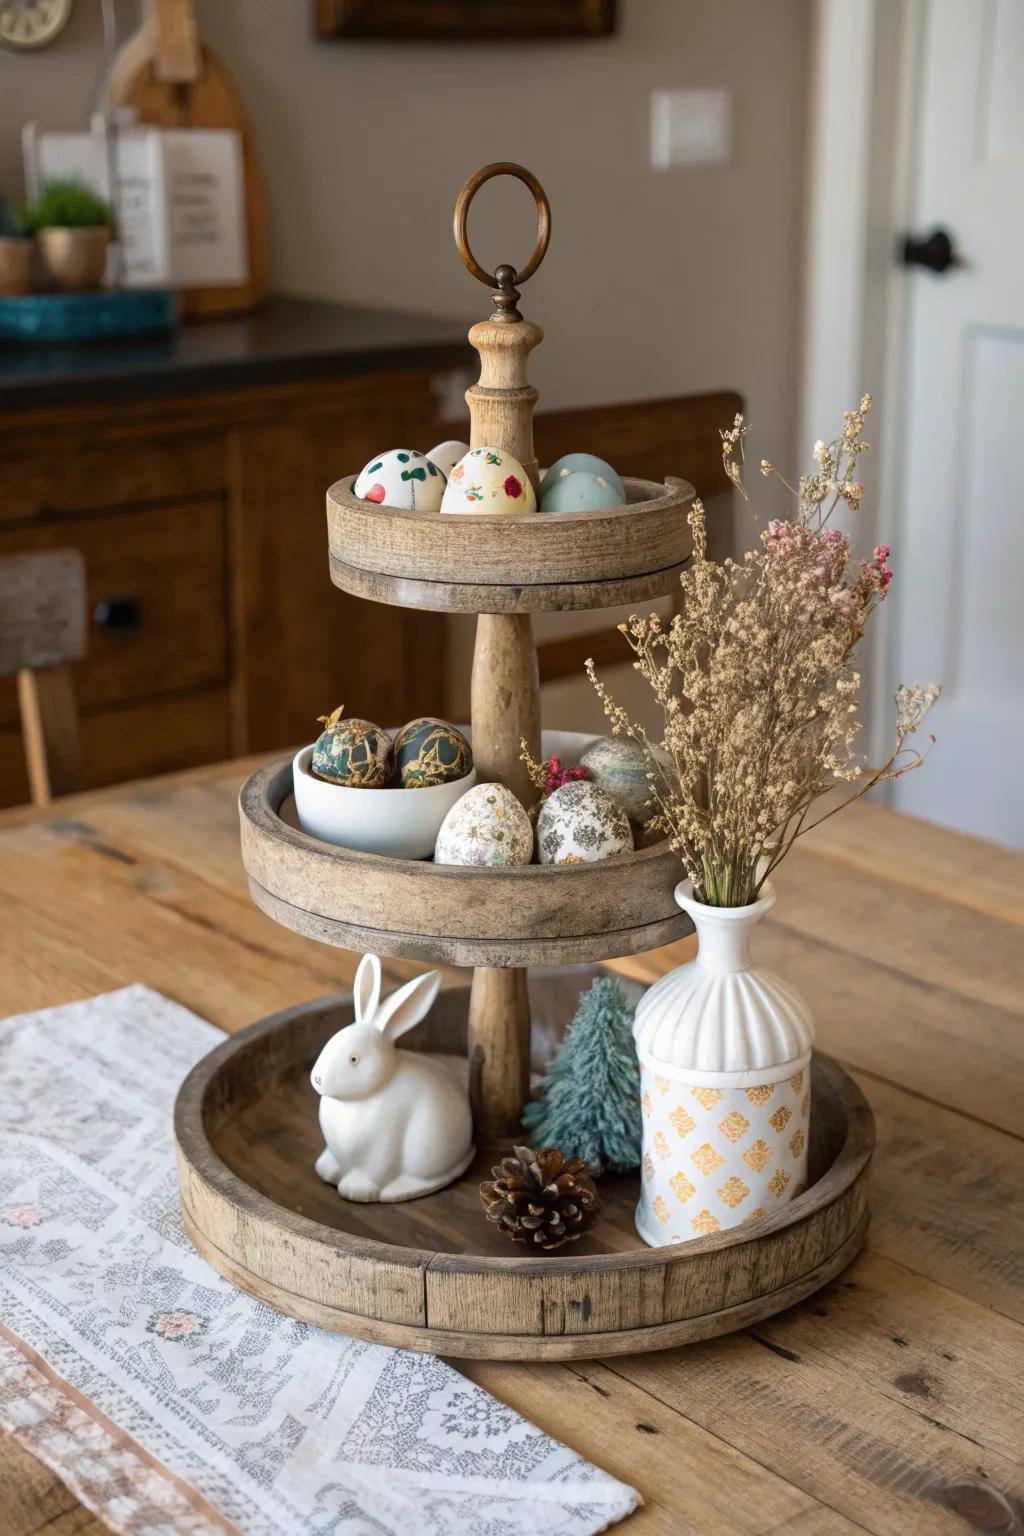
x: 499, y: 1052
x: 505, y: 689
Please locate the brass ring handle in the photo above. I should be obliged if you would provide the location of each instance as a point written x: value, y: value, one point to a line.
x: 466, y: 196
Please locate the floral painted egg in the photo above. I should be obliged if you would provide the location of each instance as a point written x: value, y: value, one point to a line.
x: 487, y: 827
x: 353, y: 752
x: 488, y: 480
x: 580, y: 824
x: 403, y: 478
x: 431, y: 751
x: 447, y: 454
x: 580, y: 492
x: 620, y: 767
x: 588, y: 463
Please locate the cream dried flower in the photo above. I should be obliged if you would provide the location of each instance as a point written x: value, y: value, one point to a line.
x: 756, y: 682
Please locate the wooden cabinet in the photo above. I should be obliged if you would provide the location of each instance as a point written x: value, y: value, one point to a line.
x: 215, y: 629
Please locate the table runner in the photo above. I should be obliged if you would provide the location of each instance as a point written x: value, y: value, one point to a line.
x: 170, y: 1401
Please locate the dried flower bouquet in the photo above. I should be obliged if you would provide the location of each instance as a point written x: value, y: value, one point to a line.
x: 757, y: 683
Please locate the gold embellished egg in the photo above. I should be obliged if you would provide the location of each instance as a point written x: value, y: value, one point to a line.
x: 430, y: 751
x: 352, y: 752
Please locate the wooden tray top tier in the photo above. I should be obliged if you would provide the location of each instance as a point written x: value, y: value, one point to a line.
x: 541, y: 562
x: 417, y: 910
x: 433, y: 1274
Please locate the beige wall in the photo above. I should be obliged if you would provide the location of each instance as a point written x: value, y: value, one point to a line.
x: 655, y: 283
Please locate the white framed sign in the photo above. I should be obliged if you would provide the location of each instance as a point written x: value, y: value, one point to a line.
x: 180, y: 197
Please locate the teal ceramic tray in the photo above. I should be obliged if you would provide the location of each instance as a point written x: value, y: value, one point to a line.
x: 63, y: 317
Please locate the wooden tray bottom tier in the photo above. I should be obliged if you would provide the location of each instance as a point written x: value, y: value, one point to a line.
x: 433, y: 1274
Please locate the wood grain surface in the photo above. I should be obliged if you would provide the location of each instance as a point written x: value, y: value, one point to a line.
x: 431, y: 1274
x: 543, y: 562
x: 529, y: 915
x: 891, y: 1401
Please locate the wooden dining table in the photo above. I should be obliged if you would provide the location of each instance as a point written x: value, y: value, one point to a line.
x: 892, y: 1401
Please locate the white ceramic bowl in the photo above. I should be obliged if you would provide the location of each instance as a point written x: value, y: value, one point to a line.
x: 402, y: 823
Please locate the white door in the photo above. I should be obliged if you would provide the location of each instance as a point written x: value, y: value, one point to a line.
x: 959, y: 588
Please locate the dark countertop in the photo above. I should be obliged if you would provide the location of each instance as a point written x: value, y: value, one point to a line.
x: 288, y: 339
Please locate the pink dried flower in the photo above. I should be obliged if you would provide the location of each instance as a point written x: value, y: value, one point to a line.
x: 876, y: 572
x: 558, y: 774
x: 757, y: 683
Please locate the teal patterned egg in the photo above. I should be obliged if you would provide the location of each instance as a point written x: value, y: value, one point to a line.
x: 430, y: 751
x: 621, y: 767
x: 352, y: 752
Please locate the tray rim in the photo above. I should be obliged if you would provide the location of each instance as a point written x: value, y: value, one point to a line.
x: 431, y: 1339
x: 266, y: 833
x: 533, y: 563
x: 198, y: 1159
x: 470, y: 597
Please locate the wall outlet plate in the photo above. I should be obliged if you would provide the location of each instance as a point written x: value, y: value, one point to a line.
x: 690, y: 128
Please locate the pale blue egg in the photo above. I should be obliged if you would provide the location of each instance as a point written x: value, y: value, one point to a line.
x: 570, y: 463
x: 580, y: 492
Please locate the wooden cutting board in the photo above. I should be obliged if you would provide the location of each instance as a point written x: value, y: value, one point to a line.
x: 170, y: 79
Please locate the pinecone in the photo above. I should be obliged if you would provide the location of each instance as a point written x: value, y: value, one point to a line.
x: 541, y: 1198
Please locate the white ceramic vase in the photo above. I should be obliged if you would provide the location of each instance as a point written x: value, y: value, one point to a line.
x: 725, y: 1051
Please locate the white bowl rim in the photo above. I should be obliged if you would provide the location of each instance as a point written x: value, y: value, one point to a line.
x: 304, y: 756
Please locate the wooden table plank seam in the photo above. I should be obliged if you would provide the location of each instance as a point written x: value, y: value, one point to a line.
x: 843, y: 1447
x: 858, y: 1071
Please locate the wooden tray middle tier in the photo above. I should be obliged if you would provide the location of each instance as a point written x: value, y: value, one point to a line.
x: 416, y: 910
x: 541, y: 563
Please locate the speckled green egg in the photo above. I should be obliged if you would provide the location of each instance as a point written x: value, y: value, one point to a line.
x: 352, y: 752
x: 429, y: 751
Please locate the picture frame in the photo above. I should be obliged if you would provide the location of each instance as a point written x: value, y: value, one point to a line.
x: 452, y: 19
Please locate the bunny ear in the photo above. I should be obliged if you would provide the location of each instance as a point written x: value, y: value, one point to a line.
x: 367, y: 988
x: 408, y: 1005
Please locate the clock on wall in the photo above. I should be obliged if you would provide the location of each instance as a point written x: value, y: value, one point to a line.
x: 32, y: 23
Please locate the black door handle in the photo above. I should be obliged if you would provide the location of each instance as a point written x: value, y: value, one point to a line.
x: 120, y: 614
x: 935, y: 251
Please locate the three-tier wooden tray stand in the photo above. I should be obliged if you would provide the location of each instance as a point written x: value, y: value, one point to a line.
x: 431, y: 1273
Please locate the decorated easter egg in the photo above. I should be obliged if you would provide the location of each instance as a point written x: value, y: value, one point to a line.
x: 447, y: 454
x: 353, y: 752
x: 488, y: 827
x: 580, y: 824
x: 620, y: 767
x: 404, y: 478
x: 431, y: 751
x: 488, y: 480
x: 579, y: 492
x: 588, y: 463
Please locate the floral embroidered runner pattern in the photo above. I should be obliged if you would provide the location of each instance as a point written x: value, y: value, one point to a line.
x: 168, y: 1400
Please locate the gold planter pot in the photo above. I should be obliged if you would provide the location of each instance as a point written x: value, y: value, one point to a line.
x: 15, y: 266
x: 75, y: 258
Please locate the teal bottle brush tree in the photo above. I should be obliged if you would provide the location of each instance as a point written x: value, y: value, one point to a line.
x: 588, y: 1104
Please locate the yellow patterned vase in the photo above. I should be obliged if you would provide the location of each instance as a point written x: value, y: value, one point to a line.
x: 725, y: 1053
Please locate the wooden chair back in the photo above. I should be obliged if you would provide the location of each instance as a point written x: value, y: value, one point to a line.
x: 42, y: 630
x: 648, y: 439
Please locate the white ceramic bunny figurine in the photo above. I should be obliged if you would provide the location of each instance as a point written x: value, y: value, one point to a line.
x: 397, y: 1123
